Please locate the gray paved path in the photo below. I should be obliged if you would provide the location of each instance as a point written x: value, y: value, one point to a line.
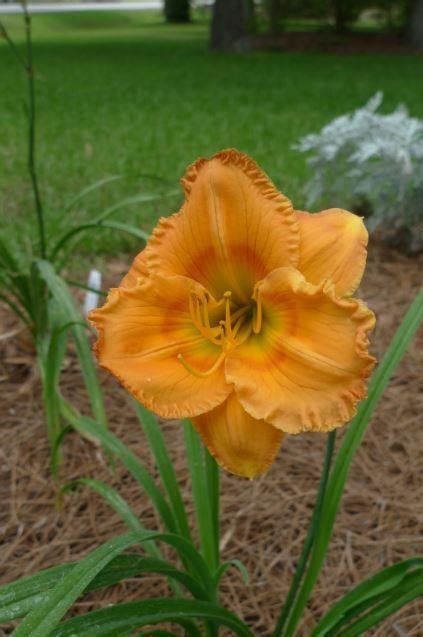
x: 52, y: 7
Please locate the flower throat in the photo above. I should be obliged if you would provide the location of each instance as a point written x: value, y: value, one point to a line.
x: 230, y: 331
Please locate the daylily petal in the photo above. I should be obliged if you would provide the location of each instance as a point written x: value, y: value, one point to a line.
x: 137, y: 271
x: 241, y: 444
x: 142, y: 331
x: 305, y: 370
x: 333, y: 245
x: 233, y: 229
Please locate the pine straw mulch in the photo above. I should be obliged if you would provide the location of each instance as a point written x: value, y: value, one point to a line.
x: 263, y: 522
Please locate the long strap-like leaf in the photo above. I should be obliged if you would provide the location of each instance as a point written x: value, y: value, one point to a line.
x: 89, y: 428
x: 164, y: 464
x: 64, y: 298
x: 18, y: 598
x: 113, y: 621
x: 367, y: 594
x: 350, y: 443
x: 45, y: 616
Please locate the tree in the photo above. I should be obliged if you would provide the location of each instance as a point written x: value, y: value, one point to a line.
x: 275, y: 13
x: 231, y: 26
x: 177, y: 10
x: 415, y: 25
x: 345, y: 12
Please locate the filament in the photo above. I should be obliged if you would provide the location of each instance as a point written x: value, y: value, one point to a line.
x: 197, y: 372
x: 234, y: 329
x: 258, y: 314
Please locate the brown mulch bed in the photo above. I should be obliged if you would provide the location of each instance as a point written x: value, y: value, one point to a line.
x: 263, y: 522
x: 330, y: 42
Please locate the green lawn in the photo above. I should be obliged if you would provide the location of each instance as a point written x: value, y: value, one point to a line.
x: 121, y: 93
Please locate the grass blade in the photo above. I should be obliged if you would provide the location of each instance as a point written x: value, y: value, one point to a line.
x: 350, y: 443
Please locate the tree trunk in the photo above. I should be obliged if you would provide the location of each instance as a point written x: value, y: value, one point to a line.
x: 415, y: 28
x: 274, y: 11
x: 177, y: 10
x: 341, y: 15
x: 231, y: 25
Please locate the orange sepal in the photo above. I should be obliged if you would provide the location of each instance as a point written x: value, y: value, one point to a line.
x: 241, y: 444
x: 333, y: 245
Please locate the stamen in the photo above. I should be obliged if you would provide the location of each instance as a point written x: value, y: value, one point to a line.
x: 258, y: 314
x: 228, y: 326
x: 202, y: 320
x: 197, y: 372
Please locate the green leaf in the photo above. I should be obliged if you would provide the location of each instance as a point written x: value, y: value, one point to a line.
x: 94, y: 431
x: 18, y: 598
x: 91, y: 188
x: 51, y: 349
x: 100, y: 220
x: 46, y: 615
x: 110, y: 622
x: 366, y: 593
x: 411, y: 587
x: 212, y: 475
x: 16, y: 309
x: 64, y: 298
x: 95, y: 225
x: 117, y: 503
x: 229, y: 564
x: 184, y: 548
x: 350, y: 443
x: 164, y: 464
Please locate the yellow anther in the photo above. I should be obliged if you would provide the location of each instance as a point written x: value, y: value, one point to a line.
x: 197, y: 372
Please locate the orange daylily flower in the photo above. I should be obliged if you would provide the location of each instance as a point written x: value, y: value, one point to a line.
x: 238, y: 314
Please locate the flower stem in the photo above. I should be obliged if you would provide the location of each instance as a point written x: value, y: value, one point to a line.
x: 31, y: 132
x: 308, y: 542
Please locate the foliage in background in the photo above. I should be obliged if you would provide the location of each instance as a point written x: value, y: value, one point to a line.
x: 125, y: 94
x: 373, y: 162
x: 340, y: 14
x: 177, y: 10
x: 30, y: 281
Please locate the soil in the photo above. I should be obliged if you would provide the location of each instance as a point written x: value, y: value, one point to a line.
x: 263, y: 522
x: 330, y: 42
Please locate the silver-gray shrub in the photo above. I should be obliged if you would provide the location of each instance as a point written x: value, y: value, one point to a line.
x: 374, y: 163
